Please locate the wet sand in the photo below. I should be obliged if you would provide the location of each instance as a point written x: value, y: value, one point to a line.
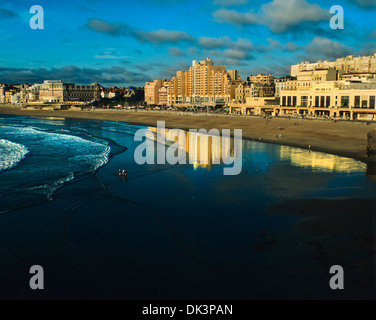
x: 348, y: 139
x: 345, y: 233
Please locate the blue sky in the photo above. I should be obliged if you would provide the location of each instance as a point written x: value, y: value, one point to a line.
x: 123, y: 43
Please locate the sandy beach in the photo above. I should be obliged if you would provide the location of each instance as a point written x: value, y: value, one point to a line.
x: 344, y: 138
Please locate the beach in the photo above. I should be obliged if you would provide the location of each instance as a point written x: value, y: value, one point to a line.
x: 179, y: 232
x: 344, y: 138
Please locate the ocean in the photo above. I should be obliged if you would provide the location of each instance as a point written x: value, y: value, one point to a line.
x: 176, y: 231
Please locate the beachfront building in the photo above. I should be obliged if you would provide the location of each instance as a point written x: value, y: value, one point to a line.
x: 163, y: 94
x: 322, y: 92
x: 207, y: 83
x: 350, y: 97
x: 152, y: 91
x: 180, y: 89
x: 204, y: 84
x: 9, y: 93
x: 2, y: 93
x: 56, y: 91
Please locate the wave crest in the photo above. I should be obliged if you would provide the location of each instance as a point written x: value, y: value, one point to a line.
x: 11, y: 154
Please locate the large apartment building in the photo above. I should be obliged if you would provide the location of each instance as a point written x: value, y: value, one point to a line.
x: 203, y: 84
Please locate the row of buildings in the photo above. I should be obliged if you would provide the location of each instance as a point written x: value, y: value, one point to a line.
x: 49, y: 92
x: 346, y: 64
x: 345, y: 88
x: 59, y: 92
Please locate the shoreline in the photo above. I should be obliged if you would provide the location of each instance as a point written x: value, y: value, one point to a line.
x: 346, y: 139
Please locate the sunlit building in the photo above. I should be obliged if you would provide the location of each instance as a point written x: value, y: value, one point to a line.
x: 203, y: 84
x: 152, y: 91
x: 55, y: 91
x: 347, y: 64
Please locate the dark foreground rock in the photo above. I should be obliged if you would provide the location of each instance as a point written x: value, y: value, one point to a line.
x: 371, y: 146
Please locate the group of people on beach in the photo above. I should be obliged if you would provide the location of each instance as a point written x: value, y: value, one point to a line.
x: 123, y: 174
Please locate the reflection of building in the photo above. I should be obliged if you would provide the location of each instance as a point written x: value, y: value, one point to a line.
x: 203, y: 150
x: 318, y: 161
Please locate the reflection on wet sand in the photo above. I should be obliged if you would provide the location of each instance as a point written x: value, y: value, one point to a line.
x: 207, y: 151
x: 204, y: 150
x: 321, y: 162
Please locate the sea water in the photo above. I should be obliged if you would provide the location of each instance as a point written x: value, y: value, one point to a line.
x: 36, y: 158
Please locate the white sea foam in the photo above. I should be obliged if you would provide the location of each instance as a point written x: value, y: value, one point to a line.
x: 11, y: 154
x: 49, y: 189
x: 94, y: 161
x: 90, y: 155
x: 56, y: 158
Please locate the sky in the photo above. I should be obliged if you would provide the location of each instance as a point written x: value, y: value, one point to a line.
x: 124, y: 43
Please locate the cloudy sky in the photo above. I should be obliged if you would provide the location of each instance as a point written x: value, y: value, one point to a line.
x: 123, y: 43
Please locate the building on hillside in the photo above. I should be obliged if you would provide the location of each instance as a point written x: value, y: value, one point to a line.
x: 346, y: 64
x: 262, y: 79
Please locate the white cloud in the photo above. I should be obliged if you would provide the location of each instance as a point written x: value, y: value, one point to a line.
x: 235, y: 17
x: 325, y: 48
x: 163, y: 36
x: 279, y: 15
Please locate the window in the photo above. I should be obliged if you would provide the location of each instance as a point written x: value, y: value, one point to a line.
x: 364, y: 103
x: 283, y: 101
x: 289, y: 101
x: 322, y: 101
x: 372, y: 102
x: 294, y: 101
x: 357, y: 102
x: 317, y: 101
x: 304, y: 101
x: 345, y: 101
x: 327, y: 102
